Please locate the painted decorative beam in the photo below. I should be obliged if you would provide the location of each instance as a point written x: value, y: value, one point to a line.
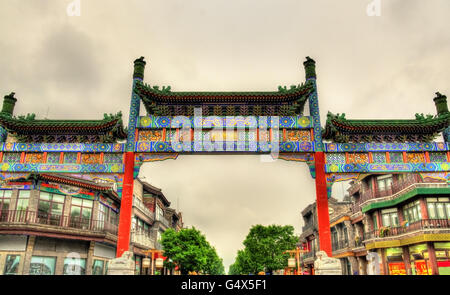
x: 62, y: 168
x: 62, y: 147
x: 387, y: 147
x: 154, y: 157
x: 291, y: 122
x: 387, y: 167
x: 221, y: 146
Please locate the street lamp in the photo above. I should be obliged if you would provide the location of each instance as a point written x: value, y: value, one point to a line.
x: 159, y: 262
x: 146, y: 262
x: 156, y: 262
x: 291, y: 261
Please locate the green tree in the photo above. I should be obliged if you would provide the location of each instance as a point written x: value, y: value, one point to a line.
x: 214, y: 265
x: 189, y: 249
x: 264, y: 247
x: 234, y: 269
x: 246, y: 264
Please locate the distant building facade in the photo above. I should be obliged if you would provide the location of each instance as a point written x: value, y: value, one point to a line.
x: 62, y: 224
x: 53, y: 224
x: 403, y: 220
x: 341, y: 234
x: 152, y: 215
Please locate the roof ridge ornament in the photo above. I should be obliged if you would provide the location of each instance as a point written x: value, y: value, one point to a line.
x: 9, y: 101
x: 139, y: 68
x: 441, y: 104
x: 310, y: 68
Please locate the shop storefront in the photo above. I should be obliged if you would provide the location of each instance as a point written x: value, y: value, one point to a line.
x: 443, y: 257
x: 420, y: 263
x: 395, y: 263
x: 138, y: 265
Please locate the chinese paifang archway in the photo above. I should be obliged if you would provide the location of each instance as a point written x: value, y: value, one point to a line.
x: 223, y: 122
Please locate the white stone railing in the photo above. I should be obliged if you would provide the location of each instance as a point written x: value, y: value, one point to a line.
x: 143, y: 239
x: 138, y: 204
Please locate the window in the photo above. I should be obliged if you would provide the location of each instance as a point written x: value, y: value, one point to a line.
x: 158, y: 236
x: 102, y: 215
x: 334, y: 235
x: 412, y: 212
x: 5, y: 201
x: 22, y: 205
x: 438, y: 208
x: 384, y: 182
x: 106, y: 215
x: 42, y: 265
x: 80, y: 213
x: 133, y: 223
x: 375, y: 222
x: 389, y: 217
x: 345, y: 234
x: 140, y: 226
x: 50, y: 208
x: 98, y: 267
x: 22, y: 200
x: 159, y: 213
x: 12, y: 264
x: 74, y: 266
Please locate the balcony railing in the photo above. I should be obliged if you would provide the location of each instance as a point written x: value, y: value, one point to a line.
x: 411, y: 180
x: 163, y: 220
x: 143, y: 239
x: 310, y: 254
x: 307, y: 227
x: 356, y: 207
x: 359, y: 241
x: 339, y: 245
x: 140, y: 205
x: 36, y: 217
x: 415, y: 226
x: 354, y: 188
x: 392, y: 189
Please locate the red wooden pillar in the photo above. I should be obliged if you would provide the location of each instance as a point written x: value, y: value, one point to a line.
x: 407, y: 260
x: 123, y: 239
x: 432, y: 257
x: 323, y: 218
x: 423, y: 208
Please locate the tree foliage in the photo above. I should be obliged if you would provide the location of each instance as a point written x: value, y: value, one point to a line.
x: 264, y: 247
x: 189, y: 249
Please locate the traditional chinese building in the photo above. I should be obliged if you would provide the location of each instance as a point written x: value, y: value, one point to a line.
x: 405, y: 219
x: 152, y: 215
x: 64, y: 223
x: 54, y: 224
x: 341, y: 235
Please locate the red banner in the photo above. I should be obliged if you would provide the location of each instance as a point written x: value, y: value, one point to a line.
x: 397, y: 268
x: 422, y: 269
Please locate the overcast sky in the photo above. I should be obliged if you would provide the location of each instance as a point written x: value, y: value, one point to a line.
x: 79, y: 67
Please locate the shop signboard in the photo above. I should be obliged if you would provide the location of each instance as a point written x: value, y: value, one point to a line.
x: 397, y: 268
x: 422, y: 268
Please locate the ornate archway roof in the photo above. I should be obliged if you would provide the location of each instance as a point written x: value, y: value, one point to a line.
x: 421, y: 129
x: 166, y: 102
x: 28, y: 129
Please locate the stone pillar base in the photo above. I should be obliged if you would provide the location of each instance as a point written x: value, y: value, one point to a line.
x: 122, y: 266
x: 325, y: 265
